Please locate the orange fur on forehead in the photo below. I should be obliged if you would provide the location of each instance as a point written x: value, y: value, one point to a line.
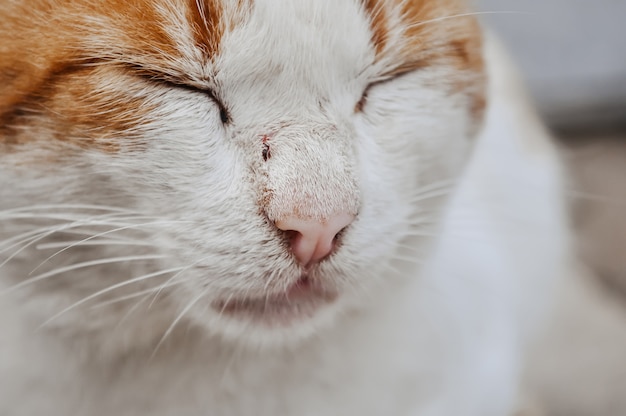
x: 408, y: 35
x: 417, y: 33
x: 206, y: 18
x: 47, y: 45
x: 44, y: 41
x: 159, y: 34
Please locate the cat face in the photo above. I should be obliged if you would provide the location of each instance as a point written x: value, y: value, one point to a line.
x: 261, y: 164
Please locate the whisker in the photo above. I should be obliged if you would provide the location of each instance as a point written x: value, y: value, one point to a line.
x: 176, y: 321
x: 429, y: 195
x: 21, y: 238
x: 133, y: 295
x: 419, y: 233
x: 65, y: 244
x: 45, y: 234
x: 109, y: 289
x: 128, y: 227
x: 174, y: 277
x: 46, y: 216
x: 388, y: 267
x: 81, y: 265
x: 68, y: 206
x: 469, y: 14
x: 415, y: 260
x: 446, y: 183
x: 226, y: 302
x: 129, y: 312
x: 73, y: 224
x: 75, y: 231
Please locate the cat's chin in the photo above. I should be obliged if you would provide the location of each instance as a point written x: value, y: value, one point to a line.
x: 300, y: 302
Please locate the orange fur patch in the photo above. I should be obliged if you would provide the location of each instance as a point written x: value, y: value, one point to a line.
x: 208, y: 26
x: 433, y: 33
x: 429, y: 31
x: 59, y: 65
x: 378, y: 21
x: 50, y: 42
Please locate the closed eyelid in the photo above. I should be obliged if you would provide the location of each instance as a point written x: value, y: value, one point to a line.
x: 381, y: 81
x: 172, y: 82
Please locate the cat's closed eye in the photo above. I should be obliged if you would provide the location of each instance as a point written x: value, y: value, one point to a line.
x: 381, y: 81
x: 170, y: 82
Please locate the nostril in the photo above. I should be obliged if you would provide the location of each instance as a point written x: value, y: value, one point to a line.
x: 291, y: 236
x: 340, y: 233
x: 313, y: 240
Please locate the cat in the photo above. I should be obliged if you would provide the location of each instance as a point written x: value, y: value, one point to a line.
x: 268, y: 207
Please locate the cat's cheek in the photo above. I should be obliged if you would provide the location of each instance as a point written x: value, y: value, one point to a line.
x: 419, y: 122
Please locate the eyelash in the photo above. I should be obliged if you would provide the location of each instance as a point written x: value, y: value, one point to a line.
x: 224, y: 113
x: 360, y: 105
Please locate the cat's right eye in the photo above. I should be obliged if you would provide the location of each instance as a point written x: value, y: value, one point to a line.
x: 224, y: 116
x: 360, y: 105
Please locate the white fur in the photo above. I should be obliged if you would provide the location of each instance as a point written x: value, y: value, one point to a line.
x: 427, y: 326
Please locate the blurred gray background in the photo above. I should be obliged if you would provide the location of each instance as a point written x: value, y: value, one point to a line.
x: 572, y: 54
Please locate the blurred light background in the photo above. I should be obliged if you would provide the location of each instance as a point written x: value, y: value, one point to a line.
x: 572, y: 55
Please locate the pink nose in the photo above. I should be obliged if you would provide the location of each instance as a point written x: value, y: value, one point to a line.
x: 315, y: 239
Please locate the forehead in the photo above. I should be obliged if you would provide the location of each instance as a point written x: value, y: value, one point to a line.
x: 315, y: 42
x: 192, y: 36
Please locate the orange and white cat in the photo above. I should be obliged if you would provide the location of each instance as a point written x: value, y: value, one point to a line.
x: 267, y: 207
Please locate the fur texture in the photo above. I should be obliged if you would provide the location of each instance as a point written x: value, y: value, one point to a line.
x: 149, y: 147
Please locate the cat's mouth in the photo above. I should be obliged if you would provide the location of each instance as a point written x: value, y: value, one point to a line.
x: 299, y: 301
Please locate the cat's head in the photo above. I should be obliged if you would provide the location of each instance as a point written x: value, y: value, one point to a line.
x: 283, y: 156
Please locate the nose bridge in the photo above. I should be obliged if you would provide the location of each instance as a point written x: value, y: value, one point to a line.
x: 311, y: 174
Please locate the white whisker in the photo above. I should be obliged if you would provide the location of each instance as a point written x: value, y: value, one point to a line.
x: 180, y: 316
x: 415, y: 260
x: 129, y: 312
x: 143, y: 293
x: 109, y: 289
x: 68, y: 206
x: 115, y: 230
x: 49, y: 231
x: 171, y: 279
x: 226, y: 302
x: 420, y: 233
x: 82, y: 265
x: 66, y: 244
x: 461, y: 15
x: 429, y: 195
